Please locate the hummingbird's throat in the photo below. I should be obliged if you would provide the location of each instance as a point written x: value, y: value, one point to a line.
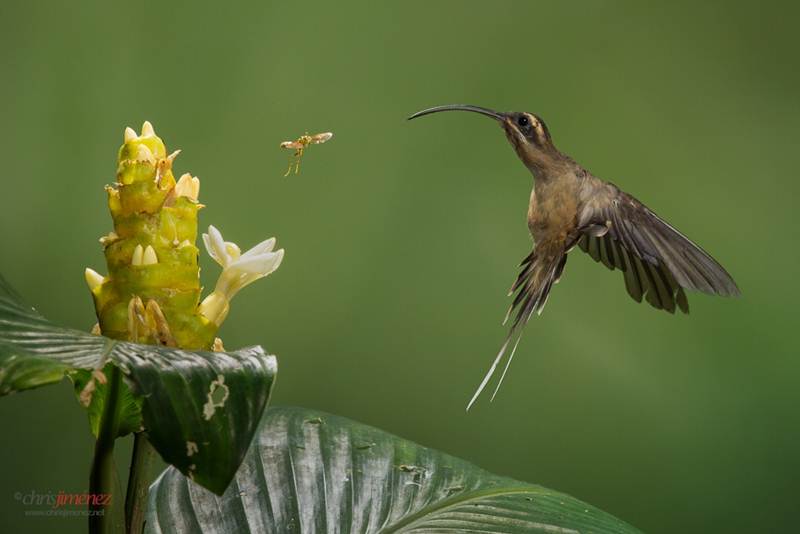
x: 534, y: 156
x: 521, y: 145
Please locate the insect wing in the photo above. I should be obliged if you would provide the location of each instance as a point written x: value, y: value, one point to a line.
x: 320, y: 138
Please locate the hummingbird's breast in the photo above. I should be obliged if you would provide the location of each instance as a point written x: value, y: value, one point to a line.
x: 553, y: 209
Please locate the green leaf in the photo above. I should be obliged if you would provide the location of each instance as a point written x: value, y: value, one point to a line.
x: 201, y: 409
x: 129, y: 405
x: 308, y: 471
x: 205, y: 438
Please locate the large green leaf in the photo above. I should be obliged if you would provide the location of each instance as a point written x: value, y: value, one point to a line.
x: 311, y: 472
x: 200, y: 409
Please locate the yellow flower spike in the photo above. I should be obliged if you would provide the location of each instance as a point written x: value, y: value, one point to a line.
x: 152, y: 289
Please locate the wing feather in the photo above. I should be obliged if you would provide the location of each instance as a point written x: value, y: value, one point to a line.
x: 658, y: 262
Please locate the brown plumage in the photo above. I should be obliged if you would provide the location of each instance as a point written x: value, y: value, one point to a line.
x: 568, y: 207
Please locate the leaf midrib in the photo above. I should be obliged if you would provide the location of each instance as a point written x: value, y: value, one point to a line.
x: 456, y: 501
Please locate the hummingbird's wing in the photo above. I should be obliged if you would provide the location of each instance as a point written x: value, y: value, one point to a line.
x: 658, y: 261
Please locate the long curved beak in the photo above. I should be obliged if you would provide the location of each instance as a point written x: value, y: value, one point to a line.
x: 460, y: 107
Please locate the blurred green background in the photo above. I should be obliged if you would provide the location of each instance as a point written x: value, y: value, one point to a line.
x: 403, y: 238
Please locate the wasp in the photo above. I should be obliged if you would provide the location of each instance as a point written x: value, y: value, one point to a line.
x: 299, y: 145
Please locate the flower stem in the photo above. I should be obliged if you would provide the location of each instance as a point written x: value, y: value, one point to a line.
x: 101, y: 478
x: 144, y: 456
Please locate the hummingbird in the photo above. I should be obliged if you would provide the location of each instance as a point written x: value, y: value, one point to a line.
x: 570, y: 206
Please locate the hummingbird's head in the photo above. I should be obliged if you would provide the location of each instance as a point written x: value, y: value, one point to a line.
x: 526, y: 132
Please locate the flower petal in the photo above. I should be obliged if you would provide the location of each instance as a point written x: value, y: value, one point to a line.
x: 233, y: 250
x: 238, y: 270
x: 278, y: 262
x: 210, y: 249
x: 216, y: 246
x: 264, y: 246
x: 262, y: 263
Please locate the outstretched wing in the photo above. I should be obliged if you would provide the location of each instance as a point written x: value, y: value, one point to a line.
x: 658, y: 262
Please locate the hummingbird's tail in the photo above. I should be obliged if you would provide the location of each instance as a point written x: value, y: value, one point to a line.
x: 540, y: 270
x: 493, y: 368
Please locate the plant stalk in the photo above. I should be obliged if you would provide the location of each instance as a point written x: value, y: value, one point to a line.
x: 101, y: 478
x: 144, y: 456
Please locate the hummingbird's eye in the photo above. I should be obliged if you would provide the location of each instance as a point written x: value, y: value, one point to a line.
x: 523, y: 121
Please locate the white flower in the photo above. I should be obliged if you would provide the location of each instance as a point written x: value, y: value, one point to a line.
x: 238, y: 270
